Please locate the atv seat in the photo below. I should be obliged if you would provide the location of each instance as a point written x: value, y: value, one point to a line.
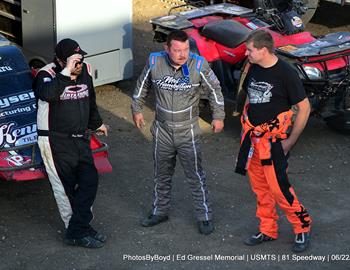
x: 226, y: 32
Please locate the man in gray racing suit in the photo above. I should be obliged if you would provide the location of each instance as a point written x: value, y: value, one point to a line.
x: 176, y: 75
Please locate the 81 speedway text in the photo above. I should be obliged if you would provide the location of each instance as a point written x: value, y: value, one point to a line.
x: 287, y: 257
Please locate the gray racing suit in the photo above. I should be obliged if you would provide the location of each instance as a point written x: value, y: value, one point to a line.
x: 176, y: 130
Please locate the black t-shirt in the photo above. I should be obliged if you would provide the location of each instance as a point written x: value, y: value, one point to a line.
x: 271, y: 91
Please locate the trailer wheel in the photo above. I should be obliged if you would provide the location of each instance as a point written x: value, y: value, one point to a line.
x: 36, y: 64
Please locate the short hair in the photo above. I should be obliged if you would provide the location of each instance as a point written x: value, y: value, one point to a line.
x: 260, y: 39
x: 178, y: 35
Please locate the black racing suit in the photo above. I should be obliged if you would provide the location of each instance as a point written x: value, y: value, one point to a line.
x: 66, y: 110
x: 176, y: 130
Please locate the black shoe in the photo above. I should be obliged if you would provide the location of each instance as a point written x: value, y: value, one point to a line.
x: 302, y: 241
x: 153, y: 220
x: 87, y: 242
x: 98, y: 236
x: 205, y: 227
x: 257, y: 239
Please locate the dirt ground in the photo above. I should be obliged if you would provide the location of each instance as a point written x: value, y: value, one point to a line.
x: 31, y: 230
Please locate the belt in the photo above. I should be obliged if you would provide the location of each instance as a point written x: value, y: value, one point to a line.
x: 48, y: 133
x: 190, y: 114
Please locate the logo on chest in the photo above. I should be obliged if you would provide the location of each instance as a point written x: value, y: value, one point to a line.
x: 259, y: 92
x: 75, y: 92
x: 170, y: 83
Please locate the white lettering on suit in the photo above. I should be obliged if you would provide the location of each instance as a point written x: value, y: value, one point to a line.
x: 80, y: 91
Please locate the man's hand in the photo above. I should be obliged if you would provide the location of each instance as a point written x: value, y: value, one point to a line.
x: 102, y: 130
x: 287, y: 145
x: 139, y: 120
x: 299, y: 124
x: 217, y: 125
x: 72, y: 61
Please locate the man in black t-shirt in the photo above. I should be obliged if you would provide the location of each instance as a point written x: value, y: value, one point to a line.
x: 272, y: 88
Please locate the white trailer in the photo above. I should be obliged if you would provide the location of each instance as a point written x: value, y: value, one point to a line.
x: 102, y: 28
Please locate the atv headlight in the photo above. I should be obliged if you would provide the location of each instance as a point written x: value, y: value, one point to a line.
x: 313, y: 73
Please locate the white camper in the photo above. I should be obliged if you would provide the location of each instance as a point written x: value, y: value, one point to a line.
x: 102, y: 28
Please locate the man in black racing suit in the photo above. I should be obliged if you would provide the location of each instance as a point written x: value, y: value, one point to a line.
x: 176, y: 75
x: 66, y: 110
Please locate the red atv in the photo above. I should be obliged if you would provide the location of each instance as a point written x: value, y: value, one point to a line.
x: 20, y: 158
x: 218, y: 32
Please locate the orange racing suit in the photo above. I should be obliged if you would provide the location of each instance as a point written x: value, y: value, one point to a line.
x: 262, y: 155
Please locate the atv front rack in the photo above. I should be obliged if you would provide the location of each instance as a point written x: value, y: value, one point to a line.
x: 337, y: 76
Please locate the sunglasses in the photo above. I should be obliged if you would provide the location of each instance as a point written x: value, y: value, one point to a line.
x: 80, y: 62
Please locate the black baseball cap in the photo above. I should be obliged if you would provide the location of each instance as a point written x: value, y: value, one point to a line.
x: 66, y: 48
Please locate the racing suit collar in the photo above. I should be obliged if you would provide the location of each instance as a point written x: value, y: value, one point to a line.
x: 58, y: 67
